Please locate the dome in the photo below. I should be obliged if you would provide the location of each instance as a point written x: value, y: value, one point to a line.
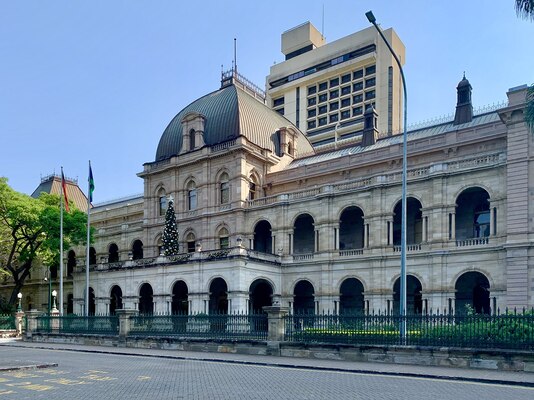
x: 230, y: 112
x: 463, y: 82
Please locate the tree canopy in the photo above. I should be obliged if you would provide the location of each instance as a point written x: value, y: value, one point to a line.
x: 30, y: 233
x: 525, y: 8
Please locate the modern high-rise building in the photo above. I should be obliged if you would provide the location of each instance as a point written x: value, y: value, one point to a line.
x: 324, y: 89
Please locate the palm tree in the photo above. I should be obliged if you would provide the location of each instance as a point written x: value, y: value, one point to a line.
x: 529, y: 108
x: 525, y: 8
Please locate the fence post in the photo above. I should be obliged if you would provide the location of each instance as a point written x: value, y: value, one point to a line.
x: 54, y: 320
x: 31, y: 322
x: 124, y: 320
x: 276, y: 327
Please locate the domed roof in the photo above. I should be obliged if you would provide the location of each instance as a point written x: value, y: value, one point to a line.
x: 463, y: 82
x: 229, y: 113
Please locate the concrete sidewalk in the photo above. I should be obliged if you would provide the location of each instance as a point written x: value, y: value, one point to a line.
x: 423, y: 371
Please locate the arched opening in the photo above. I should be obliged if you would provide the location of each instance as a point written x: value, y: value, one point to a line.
x: 303, y: 298
x: 191, y: 196
x: 191, y: 241
x: 92, y: 256
x: 260, y: 295
x: 137, y: 250
x: 71, y: 262
x: 224, y: 241
x: 146, y: 299
x: 92, y: 301
x: 414, y: 222
x: 414, y: 297
x: 351, y: 301
x: 115, y: 301
x: 351, y: 229
x: 113, y: 253
x: 70, y: 304
x: 180, y: 303
x: 472, y: 292
x: 263, y: 240
x: 472, y: 214
x: 218, y: 297
x: 303, y: 235
x: 224, y: 189
x: 53, y: 271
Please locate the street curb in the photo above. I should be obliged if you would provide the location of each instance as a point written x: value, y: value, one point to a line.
x: 30, y: 366
x: 295, y: 366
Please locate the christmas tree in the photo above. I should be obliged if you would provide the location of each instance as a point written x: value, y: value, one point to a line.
x: 170, y: 233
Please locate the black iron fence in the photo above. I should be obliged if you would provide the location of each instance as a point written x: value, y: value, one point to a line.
x: 510, y: 330
x: 7, y: 322
x: 223, y: 326
x: 105, y: 325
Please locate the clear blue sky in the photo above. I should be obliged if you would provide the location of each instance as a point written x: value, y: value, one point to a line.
x: 101, y: 79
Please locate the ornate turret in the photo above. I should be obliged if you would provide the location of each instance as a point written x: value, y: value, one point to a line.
x: 464, y: 107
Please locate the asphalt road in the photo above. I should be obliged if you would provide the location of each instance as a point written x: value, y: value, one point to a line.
x: 81, y: 375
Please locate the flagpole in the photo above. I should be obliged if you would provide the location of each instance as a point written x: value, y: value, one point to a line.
x: 62, y: 198
x: 88, y: 242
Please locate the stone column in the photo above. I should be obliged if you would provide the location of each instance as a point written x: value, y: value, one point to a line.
x: 424, y: 232
x: 276, y: 326
x: 453, y: 225
x: 19, y: 317
x: 31, y: 317
x: 124, y: 320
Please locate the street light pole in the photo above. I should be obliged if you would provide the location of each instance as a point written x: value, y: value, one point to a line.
x: 402, y: 305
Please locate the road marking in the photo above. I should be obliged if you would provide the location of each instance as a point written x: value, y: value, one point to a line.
x: 4, y: 380
x: 21, y: 374
x: 52, y: 372
x: 38, y: 388
x: 65, y: 381
x: 6, y: 392
x: 95, y: 377
x: 143, y: 378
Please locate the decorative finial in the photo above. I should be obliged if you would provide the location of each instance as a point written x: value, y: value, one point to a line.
x: 464, y: 74
x: 171, y: 199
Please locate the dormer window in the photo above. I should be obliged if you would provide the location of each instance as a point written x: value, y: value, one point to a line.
x: 192, y: 131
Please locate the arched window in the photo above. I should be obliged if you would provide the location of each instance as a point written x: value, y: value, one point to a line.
x: 192, y: 143
x: 71, y: 262
x: 252, y: 188
x: 191, y: 196
x: 137, y: 250
x: 223, y: 238
x: 113, y: 253
x: 224, y: 188
x: 70, y: 303
x: 191, y: 241
x: 162, y: 199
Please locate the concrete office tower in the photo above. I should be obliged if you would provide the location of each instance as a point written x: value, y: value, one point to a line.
x: 324, y: 89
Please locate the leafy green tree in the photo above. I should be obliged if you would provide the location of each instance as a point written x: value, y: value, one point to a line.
x: 170, y: 233
x: 30, y: 234
x: 525, y: 8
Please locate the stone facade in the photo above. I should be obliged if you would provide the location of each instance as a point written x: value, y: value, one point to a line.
x: 302, y: 257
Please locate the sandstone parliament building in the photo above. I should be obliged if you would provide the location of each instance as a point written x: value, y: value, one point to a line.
x: 292, y: 196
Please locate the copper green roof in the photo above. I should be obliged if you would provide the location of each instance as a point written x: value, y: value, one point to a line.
x: 231, y: 112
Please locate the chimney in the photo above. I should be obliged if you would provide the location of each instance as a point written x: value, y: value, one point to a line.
x: 370, y: 133
x: 464, y: 107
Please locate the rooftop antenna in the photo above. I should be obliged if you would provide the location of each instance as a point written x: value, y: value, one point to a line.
x: 322, y: 25
x: 235, y: 54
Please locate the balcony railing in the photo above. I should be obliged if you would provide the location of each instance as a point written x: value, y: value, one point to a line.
x: 472, y: 242
x: 351, y: 252
x: 409, y: 247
